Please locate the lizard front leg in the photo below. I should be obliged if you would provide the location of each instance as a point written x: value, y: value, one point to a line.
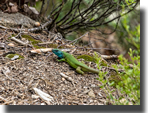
x: 78, y: 69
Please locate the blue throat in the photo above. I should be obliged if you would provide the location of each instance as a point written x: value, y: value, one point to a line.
x: 58, y: 53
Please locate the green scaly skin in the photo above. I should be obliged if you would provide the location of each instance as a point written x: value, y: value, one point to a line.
x: 80, y: 67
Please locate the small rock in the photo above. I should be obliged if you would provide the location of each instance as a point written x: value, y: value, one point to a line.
x: 93, y: 85
x: 91, y: 93
x: 63, y: 79
x: 91, y: 101
x: 35, y: 96
x: 43, y: 104
x: 37, y: 24
x: 100, y: 94
x: 124, y: 101
x: 86, y: 91
x: 2, y: 45
x: 15, y: 57
x: 11, y: 45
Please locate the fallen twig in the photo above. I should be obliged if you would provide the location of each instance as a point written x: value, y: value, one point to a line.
x: 109, y: 57
x: 118, y: 70
x: 44, y: 43
x: 44, y: 96
x: 13, y: 29
x: 20, y: 42
x: 40, y: 28
x: 43, y: 50
x: 68, y: 78
x: 6, y: 71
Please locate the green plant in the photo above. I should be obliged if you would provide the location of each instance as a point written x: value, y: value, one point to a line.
x: 129, y: 86
x: 104, y: 81
x: 131, y: 79
x: 128, y: 32
x: 134, y: 39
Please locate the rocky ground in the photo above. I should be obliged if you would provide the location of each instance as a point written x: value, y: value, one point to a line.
x: 20, y: 77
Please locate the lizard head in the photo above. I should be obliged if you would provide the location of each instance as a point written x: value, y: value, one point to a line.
x: 58, y: 53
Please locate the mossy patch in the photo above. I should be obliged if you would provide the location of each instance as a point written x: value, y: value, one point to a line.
x: 11, y: 36
x: 114, y: 77
x: 103, y: 63
x: 55, y: 46
x: 33, y: 41
x: 52, y: 45
x: 91, y: 59
x: 12, y: 55
x: 86, y: 58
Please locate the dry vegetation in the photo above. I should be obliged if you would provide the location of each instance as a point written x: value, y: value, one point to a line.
x: 18, y: 77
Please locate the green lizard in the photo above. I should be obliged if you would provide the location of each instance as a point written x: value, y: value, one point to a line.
x: 72, y: 61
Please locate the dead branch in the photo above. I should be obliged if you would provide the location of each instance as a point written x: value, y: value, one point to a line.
x: 39, y: 51
x: 44, y: 96
x: 94, y: 14
x: 19, y: 41
x: 35, y: 29
x: 67, y: 77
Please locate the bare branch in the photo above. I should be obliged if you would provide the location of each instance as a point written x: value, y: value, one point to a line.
x: 43, y: 3
x: 71, y: 15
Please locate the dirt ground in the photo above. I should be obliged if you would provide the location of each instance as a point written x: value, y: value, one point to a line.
x: 18, y: 78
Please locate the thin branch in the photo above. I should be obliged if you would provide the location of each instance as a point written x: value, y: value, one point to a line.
x: 68, y: 12
x: 91, y: 16
x: 51, y: 13
x: 73, y: 40
x: 43, y: 3
x: 46, y: 7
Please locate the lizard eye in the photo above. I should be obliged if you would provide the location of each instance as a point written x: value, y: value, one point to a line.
x: 56, y: 50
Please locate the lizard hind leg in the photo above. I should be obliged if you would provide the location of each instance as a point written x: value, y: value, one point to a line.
x: 78, y: 70
x: 60, y: 60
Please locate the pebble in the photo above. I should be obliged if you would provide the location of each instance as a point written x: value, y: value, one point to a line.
x: 15, y: 57
x: 91, y: 93
x: 11, y: 45
x: 37, y: 24
x: 35, y: 96
x: 2, y: 45
x: 93, y: 85
x: 43, y: 104
x: 63, y: 79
